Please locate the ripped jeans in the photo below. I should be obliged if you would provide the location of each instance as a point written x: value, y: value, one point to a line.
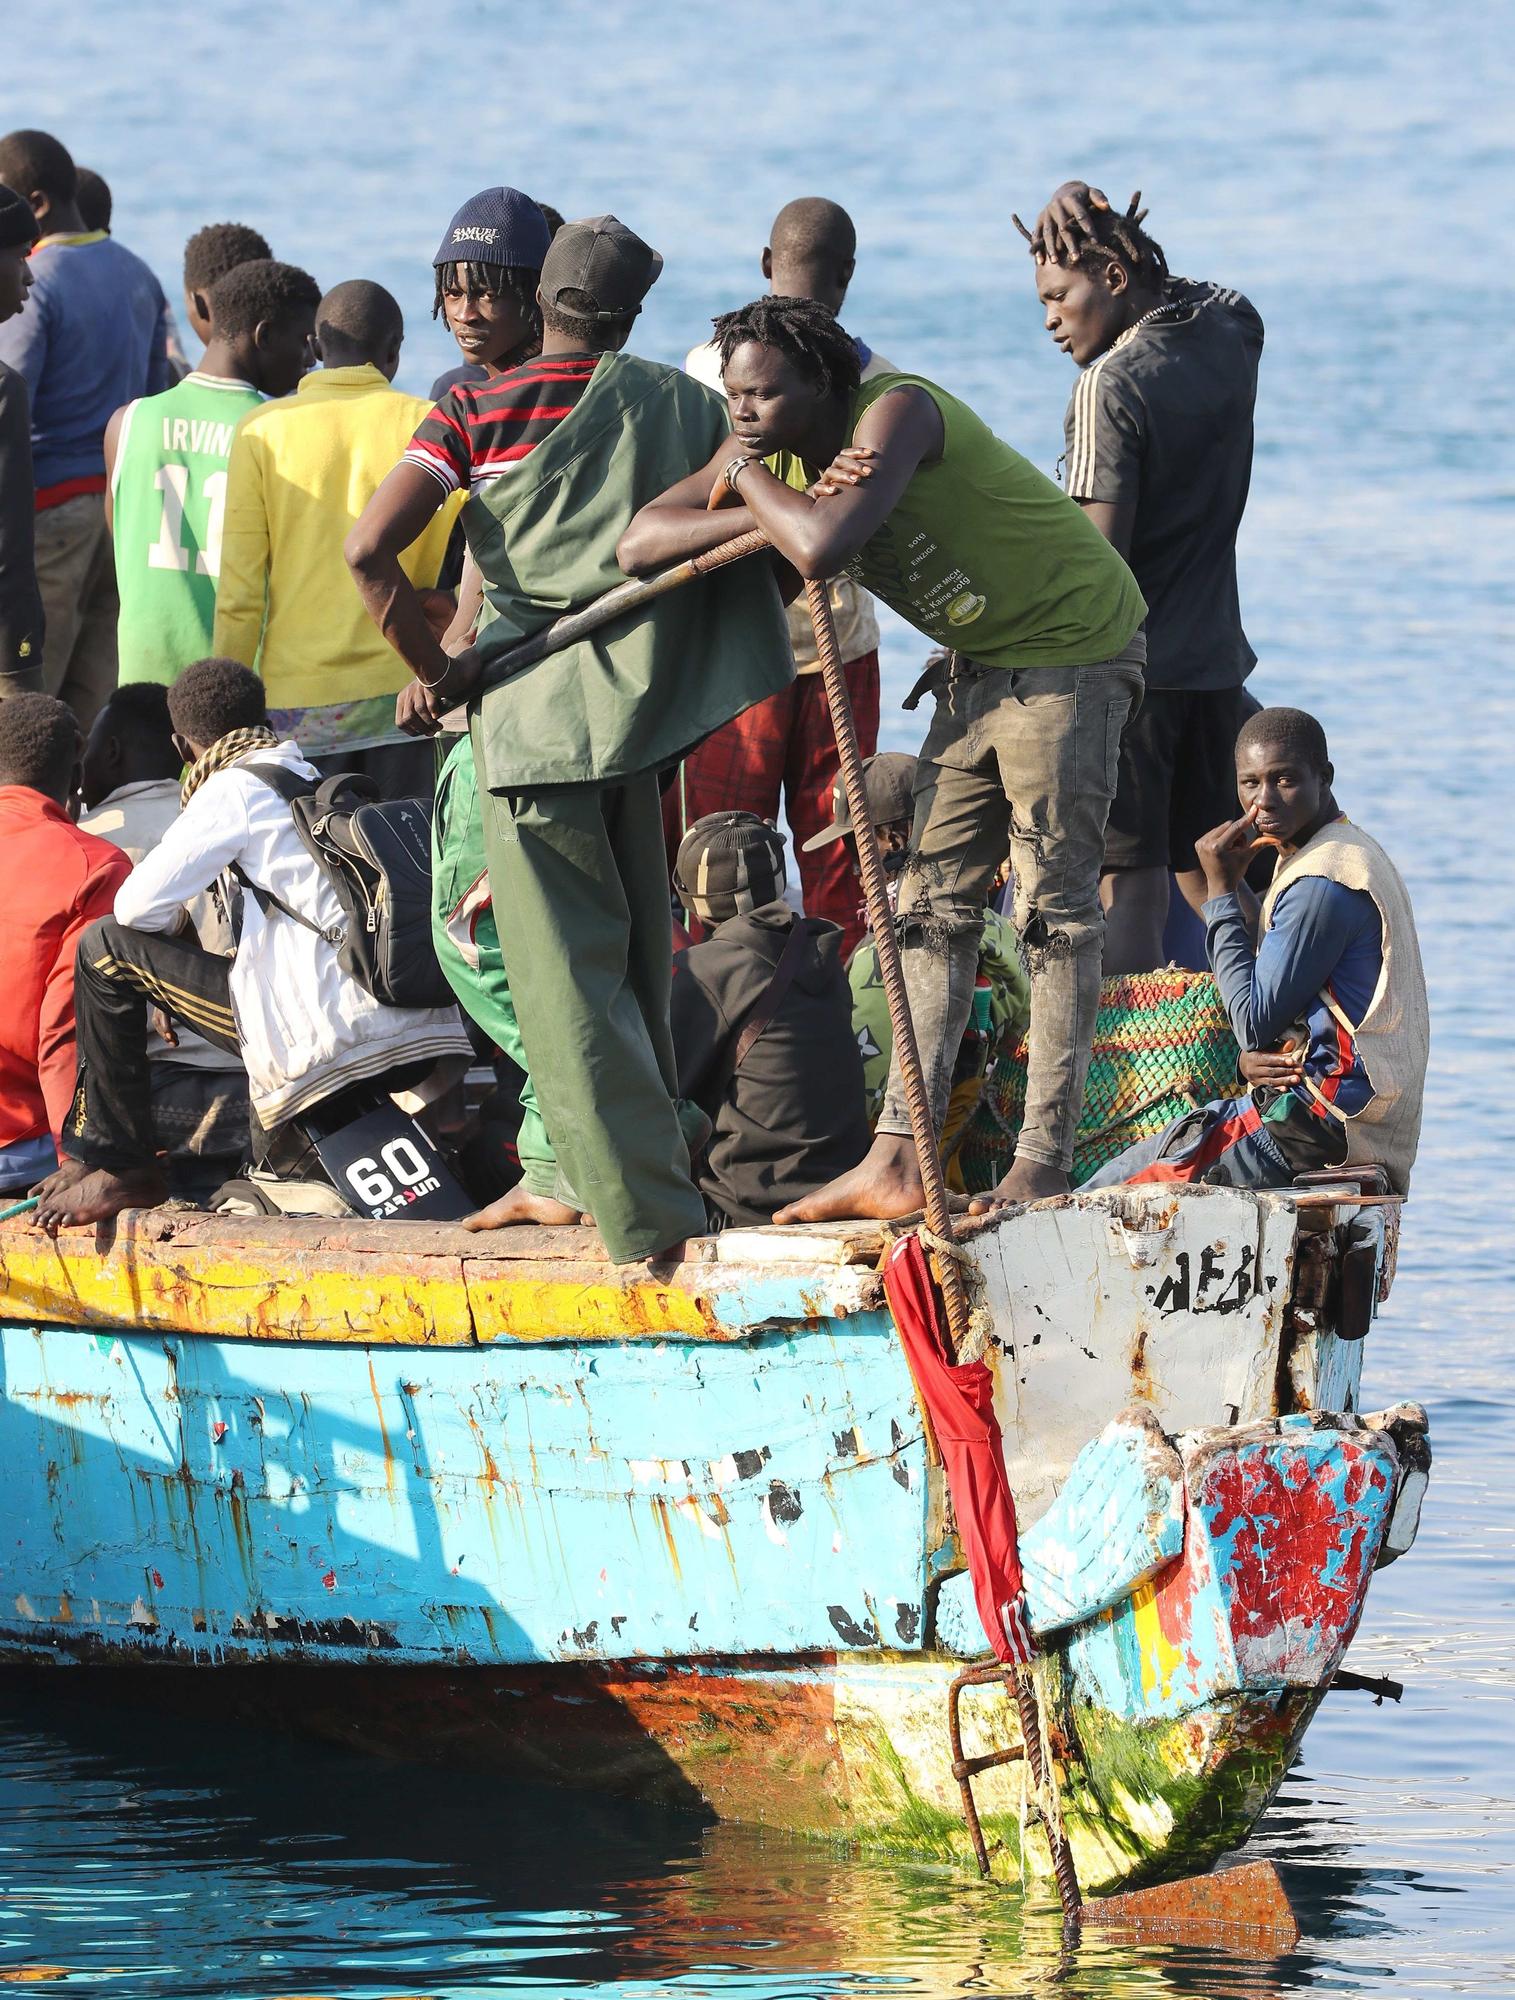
x: 1021, y: 763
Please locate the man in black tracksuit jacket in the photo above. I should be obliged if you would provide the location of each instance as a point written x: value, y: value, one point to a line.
x: 762, y: 1027
x: 21, y: 622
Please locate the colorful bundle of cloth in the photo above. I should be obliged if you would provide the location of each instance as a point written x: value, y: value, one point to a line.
x: 1162, y: 1045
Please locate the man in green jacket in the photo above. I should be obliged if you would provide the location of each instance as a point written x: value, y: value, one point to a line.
x: 903, y: 486
x: 558, y: 453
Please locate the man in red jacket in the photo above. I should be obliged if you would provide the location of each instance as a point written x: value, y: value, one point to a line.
x: 57, y: 880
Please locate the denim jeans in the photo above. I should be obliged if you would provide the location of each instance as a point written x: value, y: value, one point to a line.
x: 1024, y: 763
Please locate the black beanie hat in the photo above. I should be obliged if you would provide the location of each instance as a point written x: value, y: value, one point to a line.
x: 729, y: 863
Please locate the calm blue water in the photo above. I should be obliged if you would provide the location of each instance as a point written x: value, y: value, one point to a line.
x: 1350, y: 168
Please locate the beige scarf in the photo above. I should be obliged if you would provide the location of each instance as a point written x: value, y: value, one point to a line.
x: 224, y: 751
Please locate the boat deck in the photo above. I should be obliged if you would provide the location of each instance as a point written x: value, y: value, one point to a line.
x: 422, y: 1284
x: 438, y: 1285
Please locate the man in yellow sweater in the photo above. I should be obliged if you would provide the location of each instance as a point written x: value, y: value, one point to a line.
x: 301, y: 472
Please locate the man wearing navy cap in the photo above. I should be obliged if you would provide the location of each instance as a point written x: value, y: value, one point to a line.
x: 487, y: 265
x: 558, y: 454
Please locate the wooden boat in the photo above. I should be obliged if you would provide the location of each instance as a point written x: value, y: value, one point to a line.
x: 676, y: 1531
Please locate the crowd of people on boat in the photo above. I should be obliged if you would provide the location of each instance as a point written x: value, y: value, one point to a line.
x: 264, y: 668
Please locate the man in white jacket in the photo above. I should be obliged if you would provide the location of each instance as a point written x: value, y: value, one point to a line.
x: 306, y: 1031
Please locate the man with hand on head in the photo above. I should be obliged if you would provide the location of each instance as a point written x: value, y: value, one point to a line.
x: 302, y: 470
x: 784, y: 746
x: 1159, y: 455
x: 558, y: 453
x: 1322, y: 981
x: 902, y: 485
x: 167, y: 458
x: 92, y: 338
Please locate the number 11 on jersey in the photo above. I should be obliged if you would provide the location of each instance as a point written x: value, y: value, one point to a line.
x: 168, y: 551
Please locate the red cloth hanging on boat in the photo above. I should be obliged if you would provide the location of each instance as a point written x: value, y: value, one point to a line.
x: 960, y: 1400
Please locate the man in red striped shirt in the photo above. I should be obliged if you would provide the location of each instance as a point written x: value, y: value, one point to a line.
x: 480, y: 429
x: 559, y: 452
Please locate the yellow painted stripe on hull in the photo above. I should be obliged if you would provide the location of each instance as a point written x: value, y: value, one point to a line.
x: 402, y: 1301
x: 236, y: 1296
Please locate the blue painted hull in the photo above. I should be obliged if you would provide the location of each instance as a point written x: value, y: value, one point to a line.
x: 227, y: 1499
x: 673, y: 1534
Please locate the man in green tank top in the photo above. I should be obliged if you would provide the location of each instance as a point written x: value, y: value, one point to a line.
x: 166, y: 456
x: 902, y: 486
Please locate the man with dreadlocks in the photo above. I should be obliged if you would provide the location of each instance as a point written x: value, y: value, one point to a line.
x: 316, y: 1044
x: 562, y: 451
x: 1159, y: 455
x: 903, y: 485
x: 785, y: 744
x: 468, y: 289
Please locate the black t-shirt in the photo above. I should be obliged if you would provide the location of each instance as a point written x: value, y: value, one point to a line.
x: 1164, y: 418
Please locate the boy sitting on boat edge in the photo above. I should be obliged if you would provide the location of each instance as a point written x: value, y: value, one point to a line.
x: 307, y: 1031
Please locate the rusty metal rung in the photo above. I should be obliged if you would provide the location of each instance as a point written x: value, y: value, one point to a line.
x: 969, y: 1767
x: 966, y: 1769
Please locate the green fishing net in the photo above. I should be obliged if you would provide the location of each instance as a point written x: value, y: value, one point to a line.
x: 1162, y: 1045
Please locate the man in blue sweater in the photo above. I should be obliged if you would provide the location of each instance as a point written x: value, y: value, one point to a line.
x: 93, y: 337
x: 1322, y: 981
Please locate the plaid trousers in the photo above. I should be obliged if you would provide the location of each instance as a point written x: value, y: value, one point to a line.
x: 784, y: 745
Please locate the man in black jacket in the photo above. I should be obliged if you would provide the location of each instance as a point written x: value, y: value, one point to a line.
x: 20, y: 600
x: 762, y: 1027
x: 1159, y: 456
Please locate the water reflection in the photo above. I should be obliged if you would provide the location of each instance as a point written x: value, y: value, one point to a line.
x: 1310, y: 156
x: 142, y: 1854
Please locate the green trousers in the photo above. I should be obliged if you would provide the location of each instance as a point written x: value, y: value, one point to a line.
x: 579, y: 879
x: 468, y: 947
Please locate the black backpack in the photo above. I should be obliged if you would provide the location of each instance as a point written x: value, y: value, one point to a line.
x: 376, y: 854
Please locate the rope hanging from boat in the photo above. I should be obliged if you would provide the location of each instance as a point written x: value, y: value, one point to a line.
x: 975, y: 1343
x: 881, y: 921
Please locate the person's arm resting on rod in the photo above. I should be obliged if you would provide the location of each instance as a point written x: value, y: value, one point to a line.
x: 818, y: 531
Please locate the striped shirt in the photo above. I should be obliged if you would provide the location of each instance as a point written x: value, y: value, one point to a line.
x: 480, y: 430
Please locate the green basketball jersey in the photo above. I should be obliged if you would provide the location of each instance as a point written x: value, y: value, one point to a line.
x: 168, y: 499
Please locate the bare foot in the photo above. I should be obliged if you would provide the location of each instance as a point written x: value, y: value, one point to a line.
x: 68, y: 1175
x: 884, y: 1185
x: 521, y: 1205
x: 1032, y: 1180
x: 96, y: 1195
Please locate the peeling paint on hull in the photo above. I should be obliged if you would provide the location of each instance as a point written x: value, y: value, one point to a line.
x: 676, y: 1535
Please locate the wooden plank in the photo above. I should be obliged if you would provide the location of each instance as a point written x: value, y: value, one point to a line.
x: 281, y: 1280
x: 413, y: 1284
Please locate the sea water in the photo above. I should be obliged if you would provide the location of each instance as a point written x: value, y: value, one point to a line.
x: 1349, y: 167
